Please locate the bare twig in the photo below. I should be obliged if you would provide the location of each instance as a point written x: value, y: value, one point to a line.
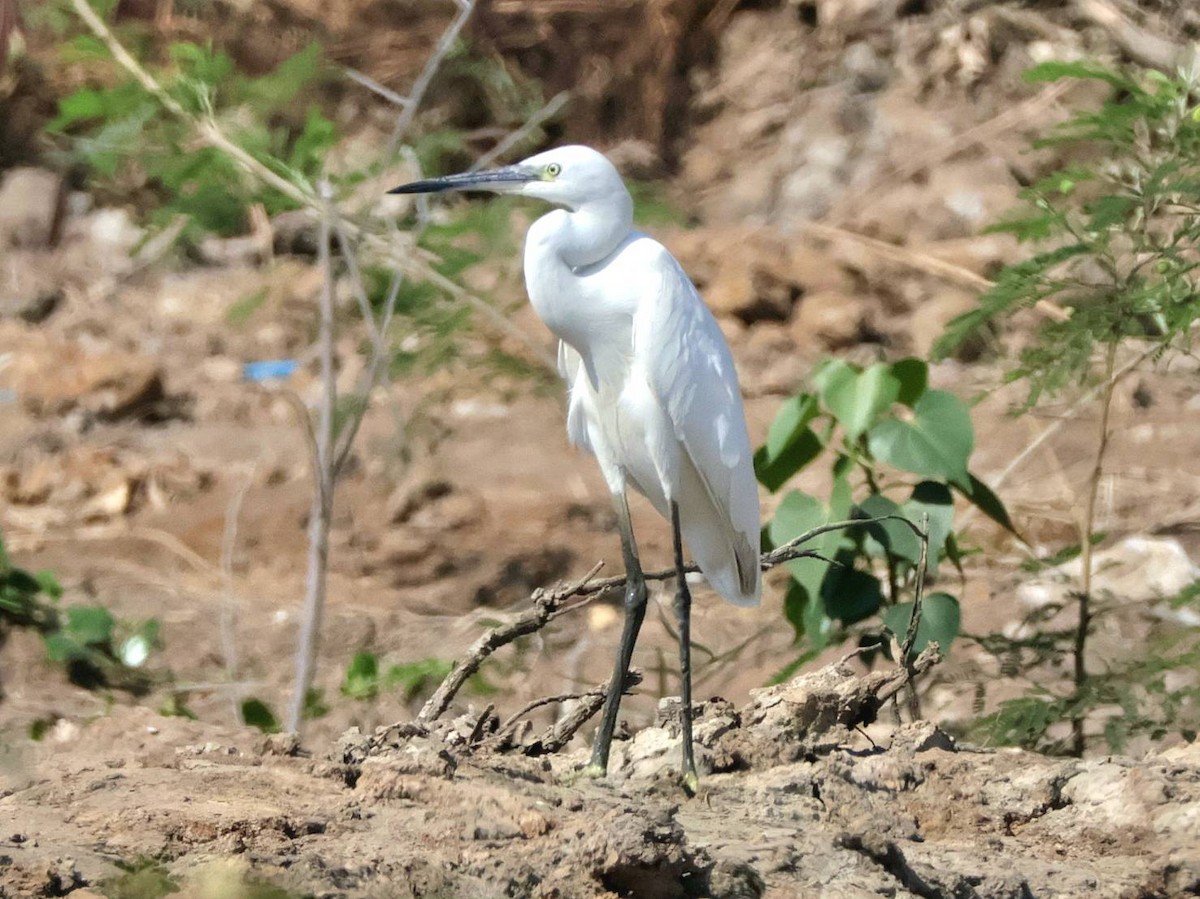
x: 901, y: 677
x: 480, y: 724
x: 548, y: 605
x: 914, y: 622
x: 903, y: 256
x: 910, y: 636
x: 371, y: 376
x: 545, y: 604
x: 516, y: 716
x: 374, y: 86
x: 1142, y: 46
x: 322, y: 505
x: 1087, y: 527
x: 560, y: 734
x: 411, y: 103
x: 229, y: 604
x: 557, y: 102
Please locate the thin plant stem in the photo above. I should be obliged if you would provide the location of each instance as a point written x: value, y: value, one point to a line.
x: 229, y: 601
x: 1086, y: 529
x: 322, y: 497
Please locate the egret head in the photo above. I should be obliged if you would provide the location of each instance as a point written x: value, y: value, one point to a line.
x: 566, y: 176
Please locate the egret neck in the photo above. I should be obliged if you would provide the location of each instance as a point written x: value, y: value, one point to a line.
x: 560, y: 249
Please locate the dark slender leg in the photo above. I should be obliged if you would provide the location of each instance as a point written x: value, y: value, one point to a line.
x: 635, y: 611
x: 683, y: 611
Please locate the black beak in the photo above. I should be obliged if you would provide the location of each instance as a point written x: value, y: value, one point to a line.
x: 495, y: 180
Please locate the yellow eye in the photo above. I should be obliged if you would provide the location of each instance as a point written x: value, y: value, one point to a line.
x: 553, y: 170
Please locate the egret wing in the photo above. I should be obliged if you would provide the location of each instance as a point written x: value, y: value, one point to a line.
x: 683, y: 354
x: 570, y: 367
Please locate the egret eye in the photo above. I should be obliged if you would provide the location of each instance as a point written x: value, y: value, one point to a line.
x: 553, y: 170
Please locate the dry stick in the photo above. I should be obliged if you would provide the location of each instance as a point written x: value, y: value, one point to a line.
x: 374, y: 86
x: 557, y: 102
x: 549, y: 604
x: 921, y: 261
x: 371, y: 377
x: 516, y: 716
x: 1140, y: 45
x: 413, y: 101
x: 1086, y: 528
x: 910, y: 636
x: 229, y: 610
x: 563, y: 730
x: 322, y: 502
x: 545, y: 604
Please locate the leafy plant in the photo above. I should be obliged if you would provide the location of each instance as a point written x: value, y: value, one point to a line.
x: 364, y: 680
x: 1116, y: 270
x: 895, y: 448
x: 258, y: 714
x: 94, y: 648
x: 133, y: 143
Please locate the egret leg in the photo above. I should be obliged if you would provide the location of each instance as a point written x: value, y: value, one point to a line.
x: 683, y: 611
x: 635, y: 612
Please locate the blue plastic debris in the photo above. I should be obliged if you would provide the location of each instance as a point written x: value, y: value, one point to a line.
x: 269, y: 370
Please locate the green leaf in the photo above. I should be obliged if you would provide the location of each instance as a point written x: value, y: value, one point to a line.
x: 258, y: 714
x: 81, y: 106
x: 315, y: 705
x: 851, y: 595
x: 241, y: 310
x: 1105, y: 212
x: 940, y: 621
x: 1054, y: 70
x: 913, y: 375
x: 49, y: 584
x: 935, y: 500
x: 774, y: 473
x: 858, y: 399
x: 791, y: 421
x: 893, y: 536
x: 89, y: 625
x: 797, y: 514
x: 413, y: 677
x: 22, y: 581
x: 362, y: 677
x: 61, y: 648
x: 936, y: 443
x: 987, y: 502
x: 795, y: 604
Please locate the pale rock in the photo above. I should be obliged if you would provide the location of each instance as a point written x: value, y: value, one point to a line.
x: 1137, y: 570
x: 829, y: 319
x: 31, y: 286
x: 28, y: 197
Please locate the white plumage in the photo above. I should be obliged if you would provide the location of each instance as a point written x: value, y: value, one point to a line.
x: 652, y: 389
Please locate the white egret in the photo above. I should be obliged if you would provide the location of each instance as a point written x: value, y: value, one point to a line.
x: 652, y: 389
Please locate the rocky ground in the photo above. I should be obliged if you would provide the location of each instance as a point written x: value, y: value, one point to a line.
x: 836, y: 162
x: 796, y: 810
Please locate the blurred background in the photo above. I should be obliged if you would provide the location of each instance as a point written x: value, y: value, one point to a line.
x: 827, y: 172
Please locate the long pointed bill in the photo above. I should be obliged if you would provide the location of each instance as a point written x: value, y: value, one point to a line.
x: 499, y: 181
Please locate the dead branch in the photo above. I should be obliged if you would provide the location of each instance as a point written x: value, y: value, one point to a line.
x: 560, y: 734
x: 548, y: 605
x: 1142, y: 46
x: 321, y: 512
x: 545, y: 605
